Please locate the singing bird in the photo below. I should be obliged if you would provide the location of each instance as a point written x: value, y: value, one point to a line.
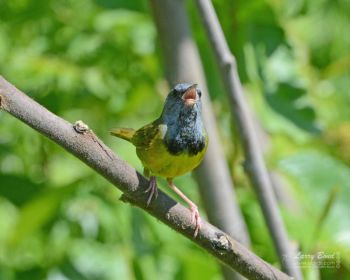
x: 173, y: 144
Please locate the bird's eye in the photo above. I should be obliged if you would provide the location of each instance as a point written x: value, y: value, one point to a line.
x: 199, y: 92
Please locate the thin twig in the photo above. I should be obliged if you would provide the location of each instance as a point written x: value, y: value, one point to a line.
x: 255, y: 163
x: 133, y: 184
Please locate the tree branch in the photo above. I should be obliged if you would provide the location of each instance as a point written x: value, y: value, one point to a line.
x: 255, y: 163
x: 81, y: 142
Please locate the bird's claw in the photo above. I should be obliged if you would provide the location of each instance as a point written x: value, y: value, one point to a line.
x: 152, y: 189
x: 195, y: 219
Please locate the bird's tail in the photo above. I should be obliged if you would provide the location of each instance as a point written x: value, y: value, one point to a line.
x: 124, y: 133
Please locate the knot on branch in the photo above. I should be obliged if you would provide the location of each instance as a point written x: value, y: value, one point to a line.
x: 228, y: 62
x: 81, y: 127
x: 221, y: 244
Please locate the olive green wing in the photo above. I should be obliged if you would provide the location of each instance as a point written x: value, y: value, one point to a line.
x: 145, y: 136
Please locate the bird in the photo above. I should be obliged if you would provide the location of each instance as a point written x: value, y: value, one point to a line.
x: 173, y: 144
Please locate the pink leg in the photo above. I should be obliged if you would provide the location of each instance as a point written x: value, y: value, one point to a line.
x: 152, y: 189
x: 193, y: 207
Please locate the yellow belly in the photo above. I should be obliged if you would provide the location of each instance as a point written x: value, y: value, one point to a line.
x: 161, y: 163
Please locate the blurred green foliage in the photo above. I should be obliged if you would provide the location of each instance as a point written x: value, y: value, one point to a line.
x: 99, y: 61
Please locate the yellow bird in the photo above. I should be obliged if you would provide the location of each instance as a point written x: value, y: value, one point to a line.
x: 173, y: 144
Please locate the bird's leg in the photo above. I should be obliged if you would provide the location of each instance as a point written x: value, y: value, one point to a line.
x: 152, y: 189
x: 193, y: 207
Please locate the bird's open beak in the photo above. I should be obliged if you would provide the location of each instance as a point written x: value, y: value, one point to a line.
x: 190, y: 97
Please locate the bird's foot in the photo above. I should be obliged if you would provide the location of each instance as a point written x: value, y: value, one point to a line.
x: 196, y: 219
x: 152, y: 190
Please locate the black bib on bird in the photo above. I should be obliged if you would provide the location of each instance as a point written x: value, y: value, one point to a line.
x: 185, y: 133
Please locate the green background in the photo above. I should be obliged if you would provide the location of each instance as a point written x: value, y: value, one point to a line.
x: 99, y: 61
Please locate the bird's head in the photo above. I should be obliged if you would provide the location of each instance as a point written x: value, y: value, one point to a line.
x: 183, y: 100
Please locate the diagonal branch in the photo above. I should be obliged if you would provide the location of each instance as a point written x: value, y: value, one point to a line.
x: 255, y: 163
x: 82, y: 142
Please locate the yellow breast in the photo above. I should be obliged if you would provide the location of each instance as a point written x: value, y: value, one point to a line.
x: 162, y: 163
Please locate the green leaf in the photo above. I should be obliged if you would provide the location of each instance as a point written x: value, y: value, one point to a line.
x: 317, y: 174
x: 285, y: 101
x: 38, y: 211
x: 18, y: 189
